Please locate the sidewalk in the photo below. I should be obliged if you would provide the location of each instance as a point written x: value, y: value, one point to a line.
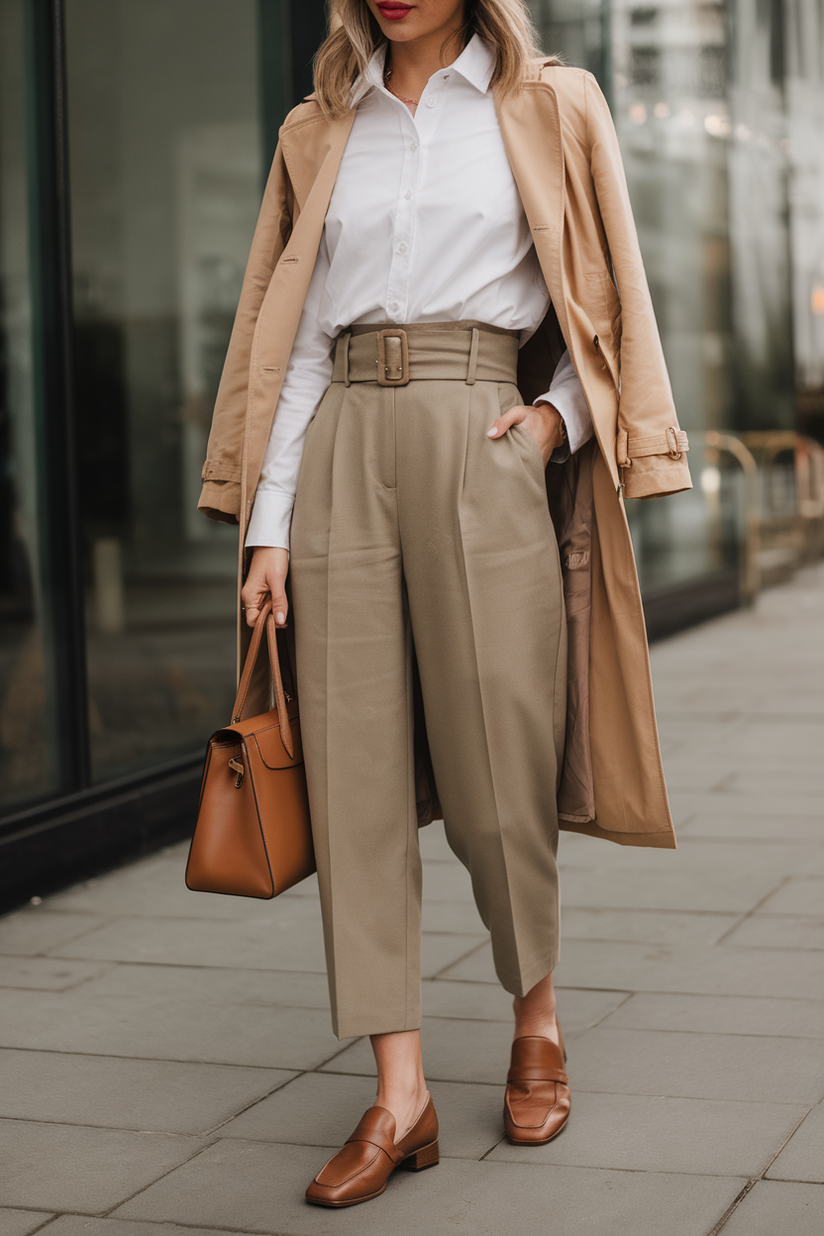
x: 168, y: 1068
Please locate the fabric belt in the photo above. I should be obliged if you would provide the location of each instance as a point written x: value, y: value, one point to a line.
x: 426, y: 351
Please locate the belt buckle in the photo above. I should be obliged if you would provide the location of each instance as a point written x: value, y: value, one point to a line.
x: 393, y: 358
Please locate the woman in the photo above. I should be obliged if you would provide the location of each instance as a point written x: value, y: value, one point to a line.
x: 430, y: 330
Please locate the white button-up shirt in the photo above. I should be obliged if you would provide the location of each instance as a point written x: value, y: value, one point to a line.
x: 425, y: 224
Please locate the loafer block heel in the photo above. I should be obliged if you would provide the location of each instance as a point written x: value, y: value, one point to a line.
x: 361, y: 1168
x: 427, y: 1156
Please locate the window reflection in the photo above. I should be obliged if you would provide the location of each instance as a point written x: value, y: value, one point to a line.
x: 166, y: 175
x: 28, y: 766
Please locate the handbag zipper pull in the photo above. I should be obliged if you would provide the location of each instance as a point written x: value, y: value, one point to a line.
x: 237, y: 766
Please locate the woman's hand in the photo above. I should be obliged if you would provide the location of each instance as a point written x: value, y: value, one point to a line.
x: 266, y: 580
x: 544, y: 425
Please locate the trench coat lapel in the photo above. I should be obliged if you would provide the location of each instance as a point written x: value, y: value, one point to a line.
x: 530, y: 125
x: 312, y: 151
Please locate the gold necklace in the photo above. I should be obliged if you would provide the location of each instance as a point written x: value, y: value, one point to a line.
x: 387, y: 83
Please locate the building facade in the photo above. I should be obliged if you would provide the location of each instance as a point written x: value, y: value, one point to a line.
x: 134, y: 142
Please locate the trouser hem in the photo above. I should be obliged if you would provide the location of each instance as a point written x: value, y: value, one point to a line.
x: 518, y: 984
x: 357, y: 1028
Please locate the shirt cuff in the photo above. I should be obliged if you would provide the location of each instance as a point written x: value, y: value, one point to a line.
x: 271, y: 520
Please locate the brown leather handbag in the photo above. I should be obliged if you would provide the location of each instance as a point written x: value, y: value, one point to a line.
x: 253, y: 836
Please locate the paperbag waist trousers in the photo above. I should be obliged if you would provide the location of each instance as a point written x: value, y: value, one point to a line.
x: 414, y: 535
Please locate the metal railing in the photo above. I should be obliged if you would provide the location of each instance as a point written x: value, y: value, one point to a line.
x: 782, y: 498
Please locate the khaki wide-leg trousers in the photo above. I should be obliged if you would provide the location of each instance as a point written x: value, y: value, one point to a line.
x: 413, y: 529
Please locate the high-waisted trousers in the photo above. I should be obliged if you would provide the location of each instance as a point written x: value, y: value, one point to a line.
x: 414, y: 535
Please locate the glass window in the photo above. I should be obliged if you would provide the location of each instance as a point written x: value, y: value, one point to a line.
x: 29, y: 761
x: 166, y: 172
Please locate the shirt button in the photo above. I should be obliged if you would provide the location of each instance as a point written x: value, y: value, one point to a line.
x: 413, y: 146
x: 393, y: 308
x: 430, y: 102
x: 408, y: 194
x: 401, y: 248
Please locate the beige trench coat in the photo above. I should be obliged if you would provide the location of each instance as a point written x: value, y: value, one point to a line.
x: 564, y: 155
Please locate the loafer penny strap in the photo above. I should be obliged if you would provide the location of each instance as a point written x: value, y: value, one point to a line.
x: 377, y: 1126
x: 537, y: 1059
x: 546, y: 1074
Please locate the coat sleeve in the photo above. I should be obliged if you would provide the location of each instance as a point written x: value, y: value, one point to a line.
x: 651, y: 446
x: 220, y: 497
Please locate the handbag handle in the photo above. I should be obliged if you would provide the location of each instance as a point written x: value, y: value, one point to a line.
x: 266, y: 619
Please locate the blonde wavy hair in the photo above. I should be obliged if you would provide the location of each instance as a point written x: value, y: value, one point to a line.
x: 354, y: 37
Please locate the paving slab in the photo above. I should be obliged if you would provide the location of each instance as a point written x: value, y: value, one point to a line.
x: 646, y: 926
x: 447, y: 882
x: 21, y: 1222
x: 707, y: 857
x: 803, y: 1156
x: 155, y: 886
x: 291, y: 988
x: 796, y: 896
x: 746, y: 802
x: 792, y: 781
x: 34, y: 929
x: 662, y: 968
x: 778, y: 738
x: 748, y: 827
x: 290, y: 1038
x: 81, y: 1225
x: 773, y: 1208
x: 120, y: 1093
x: 452, y: 916
x: 646, y: 886
x: 646, y: 1133
x: 46, y: 974
x: 260, y: 1186
x: 433, y: 843
x: 712, y: 1066
x: 481, y: 1001
x: 60, y: 1167
x: 441, y: 950
x: 802, y: 931
x: 290, y: 939
x: 717, y: 971
x: 802, y: 1019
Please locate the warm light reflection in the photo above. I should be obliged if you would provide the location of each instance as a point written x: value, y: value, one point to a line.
x: 711, y: 479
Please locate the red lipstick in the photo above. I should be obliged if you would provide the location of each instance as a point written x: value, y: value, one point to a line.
x: 393, y: 11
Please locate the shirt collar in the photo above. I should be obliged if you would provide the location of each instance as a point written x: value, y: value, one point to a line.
x: 475, y: 65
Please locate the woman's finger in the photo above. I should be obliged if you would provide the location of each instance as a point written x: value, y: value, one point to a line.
x: 280, y: 606
x: 253, y: 607
x: 513, y: 417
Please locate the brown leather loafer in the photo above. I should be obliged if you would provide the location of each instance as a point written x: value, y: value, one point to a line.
x: 361, y: 1168
x: 537, y: 1102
